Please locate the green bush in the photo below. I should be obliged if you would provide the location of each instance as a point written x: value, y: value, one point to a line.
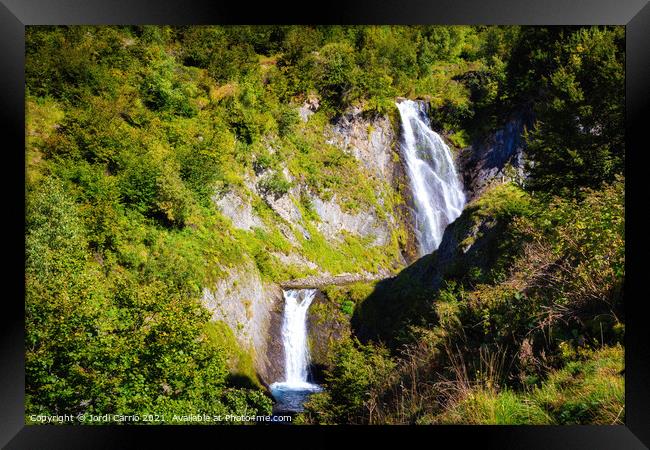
x: 275, y: 184
x: 355, y: 367
x: 336, y: 72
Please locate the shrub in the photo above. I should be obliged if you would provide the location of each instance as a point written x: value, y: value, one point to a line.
x: 355, y: 367
x: 274, y: 184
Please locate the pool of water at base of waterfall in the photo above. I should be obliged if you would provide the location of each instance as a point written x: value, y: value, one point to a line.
x: 290, y: 398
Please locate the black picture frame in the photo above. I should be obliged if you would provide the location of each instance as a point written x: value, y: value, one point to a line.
x: 16, y: 14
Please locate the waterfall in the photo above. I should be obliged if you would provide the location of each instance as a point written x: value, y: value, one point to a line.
x: 437, y: 190
x: 294, y: 335
x: 292, y: 392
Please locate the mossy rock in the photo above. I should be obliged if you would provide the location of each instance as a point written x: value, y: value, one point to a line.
x: 327, y: 323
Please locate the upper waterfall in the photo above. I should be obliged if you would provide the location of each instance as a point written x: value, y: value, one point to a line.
x: 437, y: 190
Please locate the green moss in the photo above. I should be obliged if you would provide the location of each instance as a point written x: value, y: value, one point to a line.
x: 240, y: 360
x: 348, y: 296
x: 274, y: 184
x: 488, y: 221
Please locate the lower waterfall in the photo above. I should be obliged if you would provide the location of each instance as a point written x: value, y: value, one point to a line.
x: 291, y: 393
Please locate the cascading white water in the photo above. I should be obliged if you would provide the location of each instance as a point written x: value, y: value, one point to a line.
x: 295, y: 388
x: 294, y: 336
x: 437, y: 190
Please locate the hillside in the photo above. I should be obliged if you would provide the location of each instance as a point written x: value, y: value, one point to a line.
x: 179, y: 178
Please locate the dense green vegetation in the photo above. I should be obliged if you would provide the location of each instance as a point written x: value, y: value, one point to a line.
x: 572, y: 79
x: 542, y: 304
x: 133, y: 133
x: 524, y: 323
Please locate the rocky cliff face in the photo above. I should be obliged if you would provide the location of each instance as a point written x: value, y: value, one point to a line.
x: 497, y: 158
x: 253, y: 308
x: 239, y: 210
x: 326, y: 324
x: 371, y: 141
x: 374, y: 142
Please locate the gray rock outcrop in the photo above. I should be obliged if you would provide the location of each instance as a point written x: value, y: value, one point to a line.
x: 239, y: 210
x: 370, y: 140
x: 334, y: 221
x: 498, y: 158
x: 253, y: 310
x: 332, y: 280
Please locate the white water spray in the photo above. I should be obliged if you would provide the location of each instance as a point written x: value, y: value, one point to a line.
x: 437, y: 190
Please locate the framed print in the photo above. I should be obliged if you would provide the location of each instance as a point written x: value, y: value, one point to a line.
x: 401, y: 220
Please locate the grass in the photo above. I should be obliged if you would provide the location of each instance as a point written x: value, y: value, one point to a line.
x: 485, y: 407
x: 352, y: 254
x: 590, y: 390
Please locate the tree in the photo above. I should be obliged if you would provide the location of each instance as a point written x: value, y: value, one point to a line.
x: 578, y: 140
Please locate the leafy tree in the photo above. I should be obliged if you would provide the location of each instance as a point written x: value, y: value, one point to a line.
x: 336, y: 72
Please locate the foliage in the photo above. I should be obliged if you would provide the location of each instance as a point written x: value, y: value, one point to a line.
x: 348, y: 296
x: 274, y: 184
x: 240, y: 360
x: 102, y: 338
x: 499, y: 337
x: 579, y: 138
x: 572, y: 80
x: 355, y: 368
x: 587, y: 390
x: 133, y: 133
